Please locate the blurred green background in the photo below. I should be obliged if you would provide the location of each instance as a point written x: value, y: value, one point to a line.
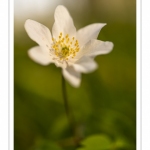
x: 105, y: 103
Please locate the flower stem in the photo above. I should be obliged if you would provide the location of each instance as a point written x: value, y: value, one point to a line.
x: 72, y: 123
x: 67, y: 108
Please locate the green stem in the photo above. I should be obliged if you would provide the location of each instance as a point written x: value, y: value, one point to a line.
x: 67, y: 108
x: 74, y: 129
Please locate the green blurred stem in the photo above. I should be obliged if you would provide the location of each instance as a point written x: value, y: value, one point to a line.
x: 66, y: 104
x: 74, y: 128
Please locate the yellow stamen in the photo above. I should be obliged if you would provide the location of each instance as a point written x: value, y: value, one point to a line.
x: 65, y: 47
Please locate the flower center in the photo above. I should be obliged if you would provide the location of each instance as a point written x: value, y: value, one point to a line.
x: 65, y: 47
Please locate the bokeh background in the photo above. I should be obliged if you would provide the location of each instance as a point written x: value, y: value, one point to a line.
x: 104, y: 106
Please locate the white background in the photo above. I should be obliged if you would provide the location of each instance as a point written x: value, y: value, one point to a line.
x: 145, y: 86
x: 6, y: 75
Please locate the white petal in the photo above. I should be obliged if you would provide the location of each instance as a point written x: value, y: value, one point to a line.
x: 73, y: 77
x: 94, y: 48
x: 38, y: 33
x: 61, y: 64
x: 63, y: 23
x: 38, y: 55
x: 89, y: 32
x: 85, y: 65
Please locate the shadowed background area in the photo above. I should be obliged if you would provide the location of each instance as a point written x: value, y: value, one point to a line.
x: 104, y: 104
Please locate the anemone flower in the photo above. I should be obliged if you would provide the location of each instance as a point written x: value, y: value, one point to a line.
x: 74, y: 51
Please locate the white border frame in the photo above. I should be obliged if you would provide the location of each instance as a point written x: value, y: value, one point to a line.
x: 138, y: 75
x: 145, y: 74
x: 4, y: 70
x: 6, y: 74
x: 11, y: 75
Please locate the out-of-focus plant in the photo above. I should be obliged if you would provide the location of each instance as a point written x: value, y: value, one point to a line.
x: 101, y: 111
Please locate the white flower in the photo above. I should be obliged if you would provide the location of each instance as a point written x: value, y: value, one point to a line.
x: 72, y: 50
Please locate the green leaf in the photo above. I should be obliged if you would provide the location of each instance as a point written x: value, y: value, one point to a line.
x: 96, y: 142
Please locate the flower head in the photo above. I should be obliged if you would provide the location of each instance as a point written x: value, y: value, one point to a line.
x: 73, y: 51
